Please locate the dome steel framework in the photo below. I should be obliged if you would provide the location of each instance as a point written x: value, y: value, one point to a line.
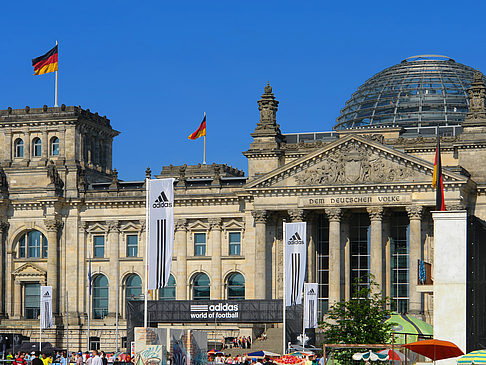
x: 419, y: 91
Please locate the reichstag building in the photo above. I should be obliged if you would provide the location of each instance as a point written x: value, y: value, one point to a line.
x: 365, y: 190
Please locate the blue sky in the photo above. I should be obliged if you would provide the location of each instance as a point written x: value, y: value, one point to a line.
x: 154, y: 67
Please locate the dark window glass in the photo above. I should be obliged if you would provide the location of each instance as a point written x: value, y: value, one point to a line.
x: 132, y: 245
x: 199, y: 244
x: 94, y: 343
x: 322, y: 248
x: 100, y: 297
x: 399, y: 239
x: 200, y: 287
x: 99, y: 246
x: 31, y: 300
x: 360, y: 250
x: 22, y: 246
x: 235, y: 243
x: 36, y: 147
x: 236, y: 286
x: 169, y: 291
x: 19, y: 148
x: 133, y: 288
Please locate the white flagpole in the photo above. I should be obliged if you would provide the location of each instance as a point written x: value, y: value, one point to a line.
x: 67, y: 323
x: 204, y: 148
x: 40, y: 329
x: 285, y: 290
x: 89, y: 302
x: 55, y: 88
x: 145, y: 319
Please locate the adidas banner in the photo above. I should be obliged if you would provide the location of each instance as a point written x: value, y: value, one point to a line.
x: 295, y: 239
x: 46, y: 320
x: 310, y: 305
x: 160, y: 231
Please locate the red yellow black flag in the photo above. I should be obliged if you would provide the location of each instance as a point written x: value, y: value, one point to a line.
x: 201, y: 131
x: 45, y: 63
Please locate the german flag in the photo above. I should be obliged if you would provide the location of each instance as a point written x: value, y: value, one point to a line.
x: 437, y: 179
x: 46, y: 63
x: 200, y: 132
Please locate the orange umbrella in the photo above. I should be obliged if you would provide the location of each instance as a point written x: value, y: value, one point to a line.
x: 435, y: 349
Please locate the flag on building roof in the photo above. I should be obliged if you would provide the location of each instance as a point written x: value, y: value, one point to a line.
x: 45, y: 63
x: 437, y: 179
x: 201, y: 131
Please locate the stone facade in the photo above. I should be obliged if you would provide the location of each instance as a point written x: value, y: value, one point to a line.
x: 371, y: 180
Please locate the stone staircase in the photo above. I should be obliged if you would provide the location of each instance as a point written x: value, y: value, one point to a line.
x: 273, y: 343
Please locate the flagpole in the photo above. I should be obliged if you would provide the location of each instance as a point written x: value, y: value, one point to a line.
x: 67, y: 323
x: 55, y: 88
x: 204, y: 148
x: 89, y: 299
x: 285, y: 291
x: 145, y: 317
x: 40, y: 327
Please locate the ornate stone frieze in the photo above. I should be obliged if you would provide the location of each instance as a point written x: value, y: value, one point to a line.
x: 415, y: 211
x: 334, y: 214
x: 375, y: 213
x: 260, y: 216
x: 4, y: 226
x: 113, y: 226
x: 353, y: 163
x: 52, y: 225
x: 180, y: 224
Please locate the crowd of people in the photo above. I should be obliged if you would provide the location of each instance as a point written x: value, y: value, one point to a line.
x: 241, y: 342
x: 60, y: 357
x: 245, y: 360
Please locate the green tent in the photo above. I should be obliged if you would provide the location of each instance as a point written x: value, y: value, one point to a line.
x: 407, y: 328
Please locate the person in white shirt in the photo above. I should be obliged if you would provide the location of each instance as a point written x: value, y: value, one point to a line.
x: 96, y: 359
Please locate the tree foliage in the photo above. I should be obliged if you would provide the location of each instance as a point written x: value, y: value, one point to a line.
x: 360, y: 320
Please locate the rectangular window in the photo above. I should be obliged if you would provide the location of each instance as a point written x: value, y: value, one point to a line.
x: 31, y: 300
x: 399, y: 238
x: 132, y: 245
x: 322, y: 248
x: 99, y: 246
x: 235, y: 243
x: 360, y: 251
x: 199, y: 244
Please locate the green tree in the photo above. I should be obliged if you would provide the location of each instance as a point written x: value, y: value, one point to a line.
x: 360, y: 320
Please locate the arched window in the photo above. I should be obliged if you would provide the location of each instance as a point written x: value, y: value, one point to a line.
x: 32, y: 244
x: 200, y: 287
x: 55, y: 146
x: 36, y: 147
x: 133, y: 288
x: 100, y: 297
x: 19, y: 148
x: 169, y: 291
x: 236, y: 286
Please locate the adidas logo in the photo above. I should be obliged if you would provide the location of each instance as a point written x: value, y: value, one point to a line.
x: 311, y: 292
x: 295, y: 239
x: 162, y: 201
x: 47, y: 294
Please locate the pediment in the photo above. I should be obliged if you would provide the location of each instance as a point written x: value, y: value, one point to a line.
x: 198, y: 225
x: 97, y: 227
x: 131, y: 227
x: 352, y: 161
x: 29, y: 269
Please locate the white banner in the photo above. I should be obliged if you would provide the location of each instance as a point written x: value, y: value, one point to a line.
x: 310, y: 305
x: 295, y: 240
x: 46, y: 320
x: 160, y: 231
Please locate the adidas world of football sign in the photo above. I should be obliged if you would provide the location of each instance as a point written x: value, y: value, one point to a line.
x: 295, y: 239
x: 46, y: 320
x: 310, y: 305
x: 160, y: 204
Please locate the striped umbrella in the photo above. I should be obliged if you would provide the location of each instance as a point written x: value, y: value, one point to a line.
x: 369, y: 356
x: 474, y: 357
x: 406, y: 324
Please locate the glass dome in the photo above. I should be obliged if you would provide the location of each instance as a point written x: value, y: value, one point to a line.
x: 421, y: 90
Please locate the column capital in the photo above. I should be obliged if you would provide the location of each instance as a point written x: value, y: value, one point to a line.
x: 181, y: 224
x: 113, y: 226
x: 52, y: 224
x: 4, y: 226
x: 215, y: 223
x: 415, y: 212
x: 334, y: 214
x: 143, y: 225
x: 260, y: 216
x: 296, y: 215
x: 375, y: 213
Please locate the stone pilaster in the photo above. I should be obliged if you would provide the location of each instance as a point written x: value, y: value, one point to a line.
x: 3, y: 233
x: 17, y: 302
x: 415, y: 254
x: 376, y: 245
x: 216, y: 282
x: 260, y: 218
x: 334, y: 216
x: 346, y: 251
x: 53, y: 226
x: 387, y: 279
x: 45, y: 146
x: 114, y: 252
x: 181, y: 253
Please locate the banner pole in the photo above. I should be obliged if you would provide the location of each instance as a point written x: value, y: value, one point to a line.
x: 284, y: 340
x: 89, y: 304
x: 204, y: 145
x: 55, y: 88
x: 303, y: 319
x: 145, y: 317
x: 67, y: 324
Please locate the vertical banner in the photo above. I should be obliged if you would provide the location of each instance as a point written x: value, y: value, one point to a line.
x: 310, y: 305
x: 160, y: 231
x: 295, y: 239
x: 46, y: 320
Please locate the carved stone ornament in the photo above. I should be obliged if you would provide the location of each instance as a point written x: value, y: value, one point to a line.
x: 215, y: 223
x: 54, y: 177
x: 297, y: 215
x: 180, y: 224
x: 4, y: 226
x: 477, y: 96
x: 52, y: 224
x: 260, y: 216
x: 334, y: 214
x: 113, y: 226
x: 415, y: 211
x: 375, y: 213
x: 353, y: 163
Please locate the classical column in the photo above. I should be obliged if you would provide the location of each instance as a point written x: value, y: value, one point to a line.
x: 415, y: 254
x: 334, y: 216
x: 53, y: 226
x: 376, y: 245
x: 387, y: 279
x: 260, y: 218
x: 27, y: 151
x: 45, y: 146
x: 3, y: 233
x: 17, y: 310
x: 181, y: 253
x: 114, y: 252
x: 216, y: 283
x: 9, y: 151
x: 346, y: 252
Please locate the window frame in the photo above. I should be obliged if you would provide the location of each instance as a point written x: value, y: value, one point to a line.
x: 55, y: 142
x: 36, y: 147
x: 167, y: 288
x: 230, y: 287
x: 19, y: 148
x: 198, y: 245
x: 129, y: 246
x: 193, y: 286
x: 95, y: 236
x: 25, y: 246
x: 24, y: 304
x: 232, y: 244
x: 99, y: 298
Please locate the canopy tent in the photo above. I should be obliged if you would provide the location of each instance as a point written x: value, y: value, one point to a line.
x: 408, y: 329
x: 261, y: 354
x: 475, y: 357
